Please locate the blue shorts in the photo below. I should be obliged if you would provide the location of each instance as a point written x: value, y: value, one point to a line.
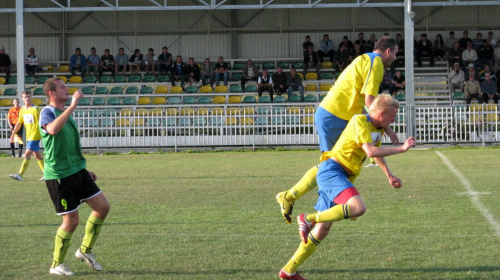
x: 33, y: 145
x: 332, y: 180
x: 329, y: 128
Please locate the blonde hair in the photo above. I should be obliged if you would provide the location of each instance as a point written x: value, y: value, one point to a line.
x: 383, y: 102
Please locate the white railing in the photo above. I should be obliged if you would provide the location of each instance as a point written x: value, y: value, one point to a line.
x: 260, y: 125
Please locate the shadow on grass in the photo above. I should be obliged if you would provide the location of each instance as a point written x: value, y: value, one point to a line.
x: 408, y: 270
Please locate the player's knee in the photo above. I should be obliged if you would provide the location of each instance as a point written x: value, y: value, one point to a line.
x: 357, y: 210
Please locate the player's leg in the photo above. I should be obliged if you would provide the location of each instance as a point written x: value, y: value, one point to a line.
x: 39, y: 158
x: 24, y: 165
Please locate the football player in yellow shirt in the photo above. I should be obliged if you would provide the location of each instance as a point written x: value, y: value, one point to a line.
x: 29, y: 116
x: 356, y: 87
x: 338, y: 198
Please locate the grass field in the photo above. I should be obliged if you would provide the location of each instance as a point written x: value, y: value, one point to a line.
x: 214, y: 216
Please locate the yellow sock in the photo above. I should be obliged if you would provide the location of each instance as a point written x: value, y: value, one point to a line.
x: 92, y: 230
x: 24, y: 166
x: 302, y: 253
x: 336, y: 213
x: 61, y: 246
x: 40, y: 163
x: 372, y: 161
x: 306, y: 183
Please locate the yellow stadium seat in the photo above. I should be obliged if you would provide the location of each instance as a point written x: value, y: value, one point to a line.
x: 141, y: 112
x: 220, y: 89
x: 234, y: 99
x: 325, y: 87
x: 2, y: 81
x: 307, y: 120
x: 293, y: 110
x: 301, y: 76
x: 476, y: 107
x: 246, y: 111
x: 217, y: 111
x: 156, y: 112
x: 232, y: 111
x: 326, y: 64
x: 201, y: 111
x: 206, y: 89
x: 186, y: 111
x: 311, y: 76
x: 309, y: 110
x: 72, y: 90
x: 311, y: 87
x: 246, y: 121
x: 75, y: 80
x: 63, y: 68
x: 231, y: 121
x: 144, y: 101
x: 138, y: 122
x: 5, y: 102
x: 171, y: 112
x: 176, y: 89
x: 219, y: 100
x: 37, y: 101
x: 122, y: 122
x: 63, y: 78
x: 161, y: 89
x: 490, y: 107
x: 475, y: 118
x: 159, y: 100
x: 48, y: 68
x: 492, y: 117
x: 126, y: 112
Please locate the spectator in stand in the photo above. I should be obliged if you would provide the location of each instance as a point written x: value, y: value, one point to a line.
x: 451, y: 41
x: 311, y: 60
x: 135, y: 62
x: 193, y: 71
x: 489, y: 88
x: 265, y: 83
x: 476, y: 43
x: 221, y: 71
x: 496, y: 56
x: 471, y: 71
x: 455, y: 55
x: 348, y: 46
x: 121, y: 62
x: 250, y: 73
x: 469, y: 56
x: 398, y: 83
x: 386, y: 82
x: 400, y: 56
x: 326, y: 48
x: 93, y: 62
x: 178, y: 72
x: 439, y: 48
x: 77, y: 62
x: 482, y: 74
x: 280, y: 80
x: 150, y: 61
x: 207, y: 73
x: 472, y: 89
x: 357, y: 51
x: 165, y: 60
x: 361, y: 41
x: 306, y: 44
x: 294, y: 82
x: 464, y: 40
x: 485, y: 55
x: 5, y: 63
x: 107, y: 63
x: 31, y: 62
x: 425, y: 50
x: 457, y: 78
x: 370, y: 44
x: 491, y: 40
x: 340, y: 60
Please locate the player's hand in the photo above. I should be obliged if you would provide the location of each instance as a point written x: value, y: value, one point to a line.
x: 76, y: 98
x: 410, y: 142
x: 395, y: 182
x: 392, y: 135
x: 93, y: 175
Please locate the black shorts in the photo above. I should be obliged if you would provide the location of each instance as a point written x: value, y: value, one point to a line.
x: 68, y: 193
x: 20, y: 131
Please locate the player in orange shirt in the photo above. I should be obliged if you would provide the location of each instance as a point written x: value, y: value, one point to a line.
x: 13, y: 116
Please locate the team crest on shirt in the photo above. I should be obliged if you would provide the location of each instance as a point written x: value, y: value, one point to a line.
x: 376, y: 136
x: 28, y: 119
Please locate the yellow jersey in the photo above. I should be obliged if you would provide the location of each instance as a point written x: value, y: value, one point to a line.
x: 30, y: 117
x: 363, y: 76
x: 348, y: 150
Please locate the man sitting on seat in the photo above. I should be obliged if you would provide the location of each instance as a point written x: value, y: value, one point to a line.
x: 250, y: 73
x: 107, y: 63
x: 457, y: 78
x: 265, y: 82
x: 280, y: 81
x: 93, y: 62
x: 294, y: 82
x: 473, y: 90
x: 193, y: 72
x: 178, y: 71
x: 489, y: 89
x: 31, y: 62
x: 398, y: 83
x: 77, y: 62
x: 311, y: 60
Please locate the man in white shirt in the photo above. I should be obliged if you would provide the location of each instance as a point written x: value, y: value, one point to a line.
x: 457, y: 78
x: 31, y: 62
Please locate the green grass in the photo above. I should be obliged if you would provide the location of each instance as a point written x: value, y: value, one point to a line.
x: 213, y: 216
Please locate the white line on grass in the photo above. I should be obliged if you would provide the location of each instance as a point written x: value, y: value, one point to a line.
x: 472, y: 194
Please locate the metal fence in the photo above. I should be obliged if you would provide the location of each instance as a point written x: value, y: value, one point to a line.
x: 261, y: 125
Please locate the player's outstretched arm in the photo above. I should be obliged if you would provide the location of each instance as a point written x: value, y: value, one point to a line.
x: 393, y: 180
x: 373, y: 151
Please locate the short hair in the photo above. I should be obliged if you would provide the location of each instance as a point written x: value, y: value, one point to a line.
x: 361, y: 33
x: 384, y: 102
x: 385, y: 43
x: 77, y: 49
x: 164, y: 48
x: 121, y: 49
x: 207, y: 59
x: 15, y: 99
x: 25, y: 93
x: 452, y: 33
x: 92, y: 49
x: 191, y: 58
x: 178, y: 56
x: 479, y: 33
x: 106, y: 50
x: 325, y: 35
x: 50, y: 85
x: 136, y: 51
x: 307, y: 36
x: 465, y: 31
x: 151, y: 49
x: 221, y: 57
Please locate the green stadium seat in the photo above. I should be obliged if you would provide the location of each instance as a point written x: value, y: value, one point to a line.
x: 149, y: 79
x: 265, y: 99
x: 184, y: 121
x: 98, y: 101
x: 174, y: 100
x: 235, y: 88
x: 42, y: 79
x: 189, y: 100
x: 238, y: 65
x: 107, y: 122
x: 105, y: 79
x: 29, y: 80
x: 114, y: 101
x: 284, y: 65
x: 458, y: 96
x: 236, y: 77
x: 263, y: 110
x: 279, y: 99
x: 120, y: 79
x: 88, y: 90
x: 249, y: 99
x: 191, y: 89
x: 10, y: 92
x: 310, y: 98
x: 134, y: 79
x: 279, y: 110
x: 12, y: 81
x: 131, y: 90
x: 298, y: 65
x: 292, y: 120
x: 89, y: 80
x: 101, y: 90
x: 321, y: 97
x: 84, y: 102
x: 109, y: 112
x: 261, y: 121
x: 215, y: 121
x: 116, y: 90
x: 39, y: 91
x: 68, y: 102
x: 268, y: 65
x: 200, y: 121
x: 251, y: 88
x: 146, y: 90
x: 204, y: 100
x: 400, y: 97
x: 129, y: 101
x: 277, y: 120
x: 326, y: 76
x: 294, y: 98
x: 163, y: 79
